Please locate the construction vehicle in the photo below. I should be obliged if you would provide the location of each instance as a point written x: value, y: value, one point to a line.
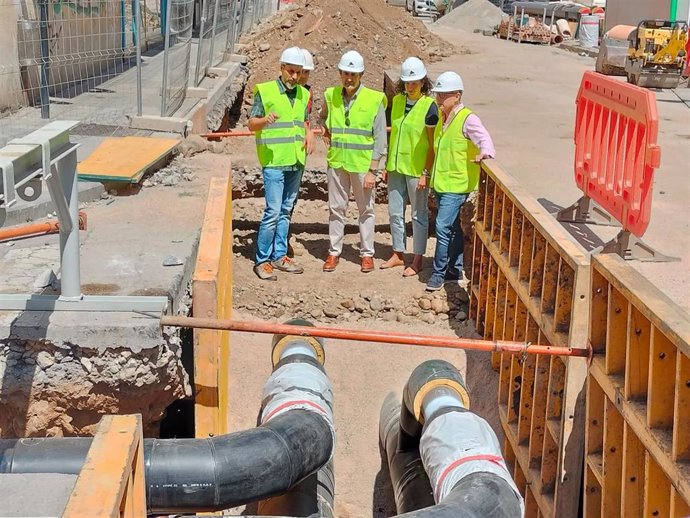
x: 656, y: 55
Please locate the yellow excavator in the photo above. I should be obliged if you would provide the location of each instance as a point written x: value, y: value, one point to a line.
x: 656, y: 54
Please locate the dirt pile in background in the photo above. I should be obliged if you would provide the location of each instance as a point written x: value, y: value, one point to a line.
x: 383, y: 34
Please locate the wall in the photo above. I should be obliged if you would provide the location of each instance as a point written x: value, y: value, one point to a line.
x: 631, y: 12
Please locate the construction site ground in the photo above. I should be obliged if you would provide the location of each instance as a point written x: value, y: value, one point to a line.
x: 525, y: 96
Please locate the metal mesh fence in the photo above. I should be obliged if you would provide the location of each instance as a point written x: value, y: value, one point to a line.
x: 207, y: 32
x: 66, y: 60
x: 178, y: 43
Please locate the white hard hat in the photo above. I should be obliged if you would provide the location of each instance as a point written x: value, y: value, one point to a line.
x: 308, y: 60
x: 352, y: 61
x: 412, y: 70
x: 292, y: 56
x: 448, y: 82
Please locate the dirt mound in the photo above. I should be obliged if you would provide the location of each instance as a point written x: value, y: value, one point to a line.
x: 383, y: 34
x: 473, y: 14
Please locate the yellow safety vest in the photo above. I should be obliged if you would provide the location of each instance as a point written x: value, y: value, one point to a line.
x: 352, y: 136
x: 454, y: 170
x: 281, y: 144
x: 409, y: 143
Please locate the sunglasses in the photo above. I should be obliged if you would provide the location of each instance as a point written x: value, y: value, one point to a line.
x: 347, y: 118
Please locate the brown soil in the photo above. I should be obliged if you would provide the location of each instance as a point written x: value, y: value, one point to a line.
x: 383, y: 34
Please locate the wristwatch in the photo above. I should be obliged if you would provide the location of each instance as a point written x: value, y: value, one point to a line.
x: 425, y: 172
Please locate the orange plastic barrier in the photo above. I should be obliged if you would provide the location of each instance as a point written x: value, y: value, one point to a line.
x: 616, y: 149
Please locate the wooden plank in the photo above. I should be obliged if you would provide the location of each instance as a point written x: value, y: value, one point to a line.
x: 526, y: 399
x: 536, y: 278
x: 594, y: 429
x: 497, y: 216
x: 516, y: 231
x: 679, y: 507
x: 657, y: 493
x: 564, y: 297
x: 490, y: 300
x: 488, y: 203
x: 211, y: 295
x: 632, y: 497
x: 526, y: 245
x: 592, y: 496
x: 598, y: 312
x: 554, y: 402
x: 664, y: 314
x: 550, y: 280
x: 506, y: 219
x: 125, y: 159
x: 515, y: 390
x: 657, y: 442
x: 537, y: 430
x: 543, y: 496
x: 662, y: 375
x: 509, y: 313
x: 613, y: 460
x: 616, y: 337
x: 637, y: 355
x: 681, y: 419
x: 113, y: 467
x: 500, y: 305
x: 549, y: 464
x: 531, y: 506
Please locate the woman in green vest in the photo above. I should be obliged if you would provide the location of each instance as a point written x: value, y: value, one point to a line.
x: 414, y: 116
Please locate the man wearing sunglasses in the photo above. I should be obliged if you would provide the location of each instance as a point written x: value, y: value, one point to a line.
x: 283, y: 140
x: 354, y: 121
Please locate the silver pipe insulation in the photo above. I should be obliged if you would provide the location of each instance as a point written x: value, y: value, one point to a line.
x: 459, y: 451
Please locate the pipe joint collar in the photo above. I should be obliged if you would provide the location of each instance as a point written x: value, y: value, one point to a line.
x: 457, y: 444
x: 298, y: 386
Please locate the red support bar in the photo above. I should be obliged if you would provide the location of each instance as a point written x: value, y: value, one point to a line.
x: 494, y: 346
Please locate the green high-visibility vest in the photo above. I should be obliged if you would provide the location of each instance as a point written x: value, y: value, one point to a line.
x: 454, y: 170
x: 352, y: 135
x: 281, y: 144
x: 409, y: 142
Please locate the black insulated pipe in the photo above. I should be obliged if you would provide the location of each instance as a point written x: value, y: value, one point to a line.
x: 410, y: 482
x: 402, y: 427
x: 479, y: 495
x: 213, y: 474
x: 197, y: 475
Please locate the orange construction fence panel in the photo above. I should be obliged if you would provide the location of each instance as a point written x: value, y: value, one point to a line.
x: 616, y: 150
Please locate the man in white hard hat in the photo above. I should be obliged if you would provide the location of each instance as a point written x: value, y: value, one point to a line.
x: 461, y: 142
x: 280, y: 119
x: 303, y: 81
x: 354, y: 121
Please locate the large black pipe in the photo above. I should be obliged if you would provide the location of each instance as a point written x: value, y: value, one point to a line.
x: 411, y: 486
x: 478, y: 495
x: 185, y: 475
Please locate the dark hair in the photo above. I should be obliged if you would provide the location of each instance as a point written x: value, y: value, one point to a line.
x: 426, y: 86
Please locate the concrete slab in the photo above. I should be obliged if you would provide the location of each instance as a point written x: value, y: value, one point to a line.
x: 19, y: 494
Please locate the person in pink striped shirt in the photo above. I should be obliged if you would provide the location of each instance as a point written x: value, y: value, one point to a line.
x: 461, y: 142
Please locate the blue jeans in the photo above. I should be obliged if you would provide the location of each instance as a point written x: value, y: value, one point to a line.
x: 402, y: 188
x: 280, y: 190
x: 449, y: 242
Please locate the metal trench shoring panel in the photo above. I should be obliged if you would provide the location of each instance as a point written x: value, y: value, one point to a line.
x: 47, y: 155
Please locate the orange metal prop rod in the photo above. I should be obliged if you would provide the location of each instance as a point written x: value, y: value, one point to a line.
x: 494, y: 346
x: 49, y: 227
x: 247, y: 133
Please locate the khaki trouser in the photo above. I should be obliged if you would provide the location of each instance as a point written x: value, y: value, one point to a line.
x: 339, y: 184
